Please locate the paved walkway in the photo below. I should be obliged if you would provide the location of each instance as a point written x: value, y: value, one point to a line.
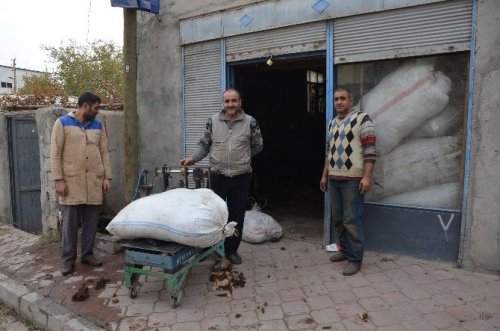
x: 291, y: 285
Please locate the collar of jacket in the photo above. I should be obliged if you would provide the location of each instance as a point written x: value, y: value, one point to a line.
x: 72, y: 114
x: 241, y: 115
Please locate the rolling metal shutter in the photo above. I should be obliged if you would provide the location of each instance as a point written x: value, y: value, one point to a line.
x: 289, y: 40
x: 421, y: 30
x: 202, y: 90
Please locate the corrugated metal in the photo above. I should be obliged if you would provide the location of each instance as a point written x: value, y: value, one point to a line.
x: 277, y: 14
x: 289, y: 40
x: 202, y: 97
x: 421, y: 30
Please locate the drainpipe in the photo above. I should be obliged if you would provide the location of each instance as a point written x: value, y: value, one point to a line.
x: 131, y: 127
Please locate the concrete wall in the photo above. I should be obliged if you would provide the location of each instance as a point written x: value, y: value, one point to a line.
x: 159, y: 86
x: 481, y: 249
x: 114, y: 201
x: 5, y: 197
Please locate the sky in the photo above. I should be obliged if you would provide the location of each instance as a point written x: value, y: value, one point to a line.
x: 29, y: 24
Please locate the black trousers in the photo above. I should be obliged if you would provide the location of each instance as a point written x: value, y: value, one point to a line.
x: 234, y: 190
x: 88, y: 216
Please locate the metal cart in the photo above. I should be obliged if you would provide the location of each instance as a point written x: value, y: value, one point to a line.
x: 173, y: 260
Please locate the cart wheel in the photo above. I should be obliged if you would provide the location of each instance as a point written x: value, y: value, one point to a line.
x: 133, y: 291
x: 174, y: 302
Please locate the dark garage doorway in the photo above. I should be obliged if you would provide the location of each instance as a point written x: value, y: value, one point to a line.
x: 288, y: 101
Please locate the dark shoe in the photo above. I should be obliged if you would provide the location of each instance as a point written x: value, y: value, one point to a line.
x: 351, y: 268
x: 234, y: 258
x: 92, y: 261
x: 338, y: 256
x: 67, y: 269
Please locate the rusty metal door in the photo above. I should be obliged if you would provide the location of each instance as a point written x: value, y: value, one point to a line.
x: 25, y: 174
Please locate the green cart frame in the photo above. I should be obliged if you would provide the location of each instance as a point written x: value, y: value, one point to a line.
x: 175, y: 260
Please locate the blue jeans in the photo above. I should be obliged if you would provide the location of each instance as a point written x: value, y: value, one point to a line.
x: 346, y: 203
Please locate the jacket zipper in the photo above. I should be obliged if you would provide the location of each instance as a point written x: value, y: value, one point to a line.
x: 229, y: 152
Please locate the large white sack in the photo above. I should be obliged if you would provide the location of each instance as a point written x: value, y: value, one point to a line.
x: 445, y: 123
x: 403, y: 100
x: 260, y: 227
x: 437, y: 196
x: 416, y: 164
x: 190, y: 217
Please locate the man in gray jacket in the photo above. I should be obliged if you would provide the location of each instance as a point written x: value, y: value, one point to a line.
x: 231, y: 138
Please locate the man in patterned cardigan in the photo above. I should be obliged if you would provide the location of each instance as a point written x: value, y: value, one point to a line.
x: 347, y: 176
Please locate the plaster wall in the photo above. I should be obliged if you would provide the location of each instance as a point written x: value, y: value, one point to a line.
x: 481, y: 247
x: 5, y: 197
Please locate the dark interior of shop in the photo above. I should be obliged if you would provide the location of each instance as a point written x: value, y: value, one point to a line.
x: 287, y: 172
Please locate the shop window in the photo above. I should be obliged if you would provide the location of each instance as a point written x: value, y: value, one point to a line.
x: 315, y: 92
x: 418, y: 107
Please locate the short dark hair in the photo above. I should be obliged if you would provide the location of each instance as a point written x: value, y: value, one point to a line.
x: 343, y: 88
x: 233, y: 90
x: 88, y: 97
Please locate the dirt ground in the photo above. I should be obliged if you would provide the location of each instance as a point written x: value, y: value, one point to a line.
x: 10, y: 320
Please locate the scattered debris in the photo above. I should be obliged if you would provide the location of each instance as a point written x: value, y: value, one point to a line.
x: 262, y: 310
x: 237, y: 315
x: 226, y: 279
x: 386, y: 259
x: 268, y: 276
x: 82, y: 293
x: 282, y: 248
x: 47, y: 277
x: 101, y: 283
x: 309, y: 320
x: 485, y: 316
x: 327, y: 327
x: 363, y: 316
x: 265, y: 303
x: 115, y: 300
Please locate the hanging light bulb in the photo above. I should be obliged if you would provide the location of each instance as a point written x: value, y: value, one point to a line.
x: 269, y: 61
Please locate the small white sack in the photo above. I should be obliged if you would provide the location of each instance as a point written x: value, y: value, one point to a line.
x: 190, y: 217
x: 260, y: 227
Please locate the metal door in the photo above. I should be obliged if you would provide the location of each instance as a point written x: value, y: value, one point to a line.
x: 25, y: 174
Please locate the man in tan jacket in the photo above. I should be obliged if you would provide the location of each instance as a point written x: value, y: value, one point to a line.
x: 82, y: 173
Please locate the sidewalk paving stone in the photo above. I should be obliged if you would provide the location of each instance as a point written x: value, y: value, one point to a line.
x: 290, y: 285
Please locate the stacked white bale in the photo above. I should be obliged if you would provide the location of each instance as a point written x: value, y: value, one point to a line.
x: 404, y: 100
x: 445, y: 123
x: 416, y: 164
x: 438, y: 196
x: 190, y: 217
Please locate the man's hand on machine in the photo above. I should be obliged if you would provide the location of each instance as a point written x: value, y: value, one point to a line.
x: 188, y: 161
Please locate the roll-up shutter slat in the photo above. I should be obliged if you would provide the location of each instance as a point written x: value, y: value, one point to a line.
x: 202, y: 96
x: 289, y: 40
x: 420, y: 30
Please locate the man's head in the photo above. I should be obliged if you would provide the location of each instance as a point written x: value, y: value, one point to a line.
x: 232, y: 101
x: 88, y: 104
x: 342, y: 99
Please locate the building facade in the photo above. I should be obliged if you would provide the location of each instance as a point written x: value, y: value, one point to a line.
x: 424, y: 70
x: 11, y: 78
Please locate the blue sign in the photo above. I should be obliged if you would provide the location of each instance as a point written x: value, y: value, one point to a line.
x: 152, y: 6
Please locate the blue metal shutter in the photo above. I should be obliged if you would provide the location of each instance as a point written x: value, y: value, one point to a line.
x: 442, y: 27
x: 202, y: 94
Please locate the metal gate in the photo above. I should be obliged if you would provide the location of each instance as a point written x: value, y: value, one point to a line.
x: 25, y: 174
